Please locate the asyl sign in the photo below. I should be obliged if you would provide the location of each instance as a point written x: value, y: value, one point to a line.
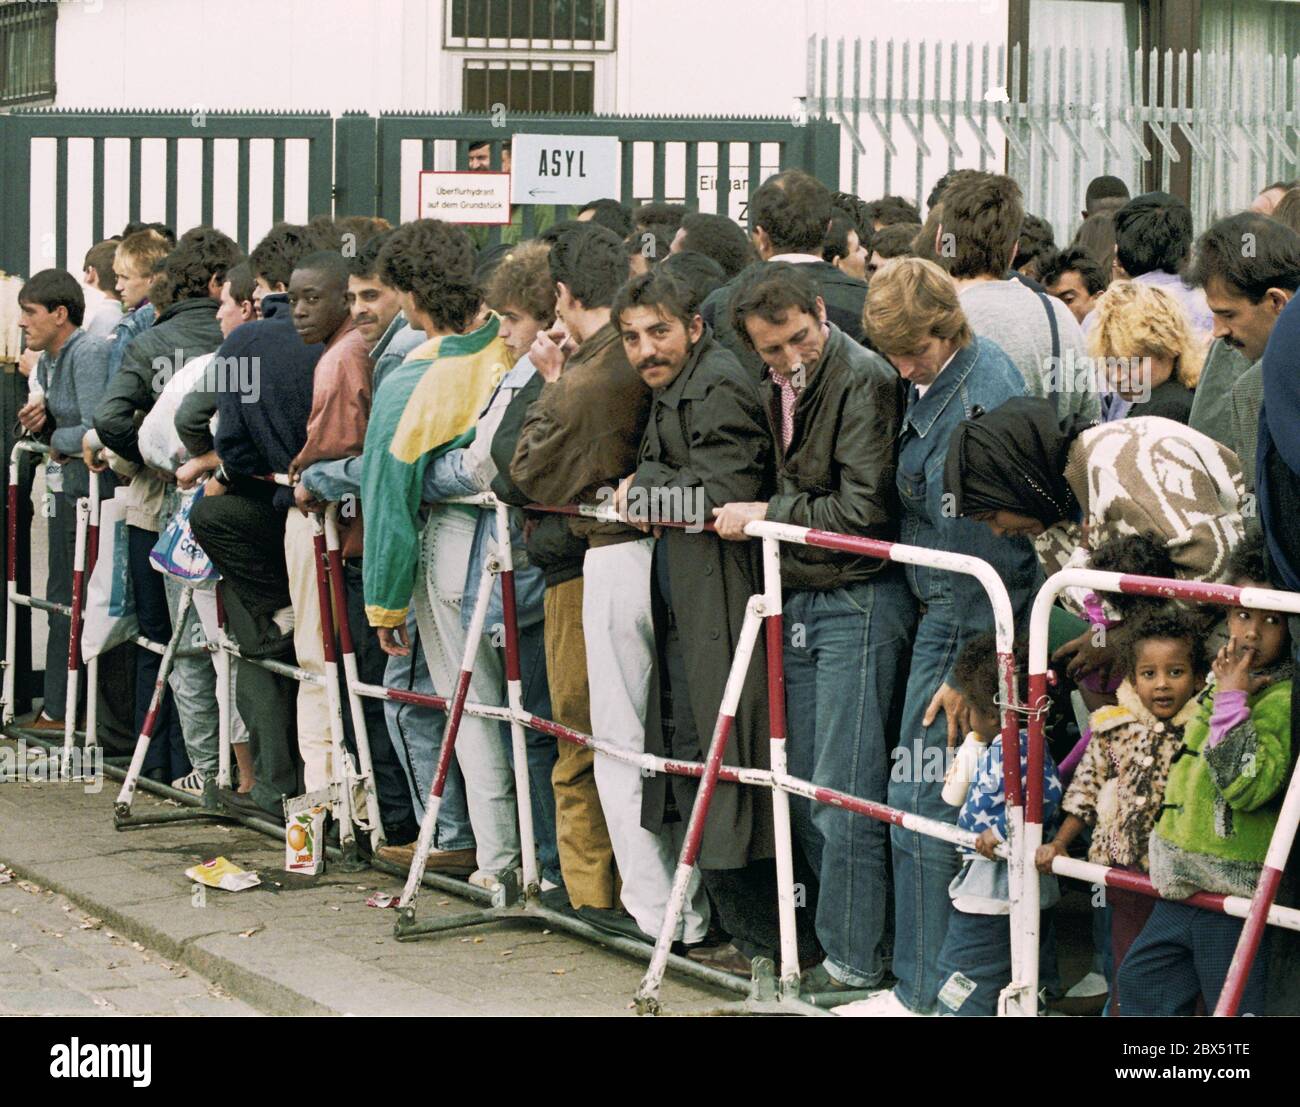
x: 560, y: 163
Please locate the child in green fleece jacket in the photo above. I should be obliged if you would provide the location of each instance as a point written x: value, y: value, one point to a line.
x: 1220, y: 809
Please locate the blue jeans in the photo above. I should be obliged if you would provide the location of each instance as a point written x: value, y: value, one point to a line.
x: 419, y: 758
x: 975, y: 961
x: 923, y: 866
x: 845, y: 664
x: 540, y: 749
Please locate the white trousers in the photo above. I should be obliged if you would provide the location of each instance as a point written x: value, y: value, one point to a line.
x: 619, y: 631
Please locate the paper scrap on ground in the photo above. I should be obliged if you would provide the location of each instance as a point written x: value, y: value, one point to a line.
x: 221, y: 873
x: 383, y: 899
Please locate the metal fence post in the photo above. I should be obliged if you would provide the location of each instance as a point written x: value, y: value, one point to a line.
x: 355, y: 165
x: 822, y: 152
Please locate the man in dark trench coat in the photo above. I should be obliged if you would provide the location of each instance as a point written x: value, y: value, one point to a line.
x: 706, y: 444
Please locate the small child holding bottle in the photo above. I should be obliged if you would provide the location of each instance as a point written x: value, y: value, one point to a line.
x: 1220, y: 808
x: 1119, y: 785
x: 975, y: 961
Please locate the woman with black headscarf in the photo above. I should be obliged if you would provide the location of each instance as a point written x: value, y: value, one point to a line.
x: 1071, y: 486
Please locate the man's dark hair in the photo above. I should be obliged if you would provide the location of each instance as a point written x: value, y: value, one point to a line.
x: 836, y: 243
x: 362, y: 228
x: 200, y: 255
x: 721, y: 239
x: 162, y: 228
x: 1248, y: 561
x: 590, y: 261
x: 1104, y: 188
x: 434, y: 261
x: 659, y: 289
x: 1274, y: 260
x: 487, y: 261
x: 556, y: 231
x: 891, y: 210
x: 894, y: 241
x: 366, y: 264
x: 325, y: 232
x: 945, y: 182
x: 771, y: 292
x: 699, y: 271
x: 654, y: 242
x: 1096, y: 235
x: 857, y: 211
x: 328, y: 262
x: 1036, y: 241
x: 1136, y: 555
x: 1280, y: 186
x: 658, y: 214
x: 610, y: 213
x: 55, y: 288
x: 275, y: 257
x: 100, y: 258
x: 477, y: 142
x: 1077, y: 260
x: 983, y: 213
x: 793, y: 207
x: 242, y: 282
x: 976, y: 673
x: 1169, y: 622
x: 1153, y: 232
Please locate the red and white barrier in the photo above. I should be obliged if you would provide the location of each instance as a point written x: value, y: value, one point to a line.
x: 1261, y: 911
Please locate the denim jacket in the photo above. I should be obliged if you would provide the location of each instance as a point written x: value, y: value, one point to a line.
x: 979, y: 376
x: 461, y: 473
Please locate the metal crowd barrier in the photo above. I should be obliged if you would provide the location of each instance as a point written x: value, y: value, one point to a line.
x: 766, y: 991
x: 1258, y: 911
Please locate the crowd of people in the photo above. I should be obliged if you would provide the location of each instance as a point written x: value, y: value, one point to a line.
x: 957, y: 382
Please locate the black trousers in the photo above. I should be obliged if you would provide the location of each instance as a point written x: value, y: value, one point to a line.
x: 395, y: 810
x: 244, y: 536
x: 745, y: 899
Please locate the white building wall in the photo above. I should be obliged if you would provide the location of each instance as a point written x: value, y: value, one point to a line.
x: 693, y: 57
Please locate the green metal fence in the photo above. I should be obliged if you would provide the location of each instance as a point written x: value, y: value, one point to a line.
x: 354, y: 163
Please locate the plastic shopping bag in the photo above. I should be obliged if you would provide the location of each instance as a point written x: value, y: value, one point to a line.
x: 178, y: 554
x: 109, y: 607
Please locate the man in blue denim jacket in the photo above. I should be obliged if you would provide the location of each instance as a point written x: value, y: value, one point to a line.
x: 915, y: 319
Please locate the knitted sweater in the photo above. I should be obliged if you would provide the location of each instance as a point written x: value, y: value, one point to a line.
x: 1157, y: 478
x: 1120, y: 783
x: 1219, y: 809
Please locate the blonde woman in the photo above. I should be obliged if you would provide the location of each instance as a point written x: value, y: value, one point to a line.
x: 1146, y: 350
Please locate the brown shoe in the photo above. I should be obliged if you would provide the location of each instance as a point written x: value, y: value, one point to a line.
x: 724, y: 958
x: 44, y: 722
x: 452, y: 862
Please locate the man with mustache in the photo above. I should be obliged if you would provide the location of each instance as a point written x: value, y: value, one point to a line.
x: 579, y: 437
x: 706, y: 444
x: 1246, y: 291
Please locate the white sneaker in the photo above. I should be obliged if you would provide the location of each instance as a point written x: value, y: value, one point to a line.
x: 883, y: 1005
x: 193, y: 783
x: 481, y: 878
x: 1091, y: 986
